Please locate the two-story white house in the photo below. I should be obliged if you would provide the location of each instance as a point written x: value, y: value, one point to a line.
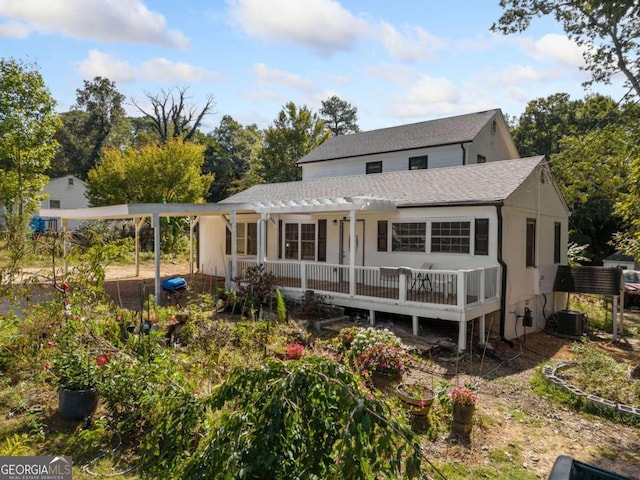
x: 434, y: 220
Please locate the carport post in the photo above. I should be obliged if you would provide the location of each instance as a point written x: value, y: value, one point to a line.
x: 155, y: 221
x: 138, y: 222
x: 65, y: 245
x: 193, y: 221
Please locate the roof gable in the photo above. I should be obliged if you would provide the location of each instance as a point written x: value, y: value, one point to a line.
x: 443, y: 131
x: 472, y: 184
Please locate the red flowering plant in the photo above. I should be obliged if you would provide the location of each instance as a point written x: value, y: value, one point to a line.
x: 382, y: 358
x: 463, y: 396
x: 74, y: 364
x: 294, y: 351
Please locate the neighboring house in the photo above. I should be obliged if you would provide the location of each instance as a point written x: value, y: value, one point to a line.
x: 454, y: 227
x: 64, y: 193
x: 621, y: 260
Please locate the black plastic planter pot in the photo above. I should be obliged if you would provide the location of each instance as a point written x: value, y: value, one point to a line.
x: 77, y: 404
x: 566, y: 468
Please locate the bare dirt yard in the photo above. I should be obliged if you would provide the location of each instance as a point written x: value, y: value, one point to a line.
x: 510, y: 417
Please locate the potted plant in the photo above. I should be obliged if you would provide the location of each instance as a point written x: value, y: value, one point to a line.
x: 75, y: 368
x: 416, y: 398
x: 383, y: 364
x: 463, y: 404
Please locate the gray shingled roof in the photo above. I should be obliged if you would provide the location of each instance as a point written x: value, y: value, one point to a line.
x: 443, y: 131
x: 477, y: 183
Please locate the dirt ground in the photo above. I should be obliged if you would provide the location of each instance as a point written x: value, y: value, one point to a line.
x: 509, y: 416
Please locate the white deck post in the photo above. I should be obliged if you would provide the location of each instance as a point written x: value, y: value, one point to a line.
x: 352, y: 252
x: 462, y: 335
x: 155, y: 221
x: 414, y: 321
x: 482, y: 332
x: 234, y: 245
x: 372, y: 317
x: 262, y: 237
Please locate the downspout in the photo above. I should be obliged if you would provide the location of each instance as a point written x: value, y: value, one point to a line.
x: 464, y: 154
x: 503, y: 287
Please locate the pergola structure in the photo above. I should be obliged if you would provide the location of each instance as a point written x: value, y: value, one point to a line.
x: 194, y: 211
x: 138, y: 213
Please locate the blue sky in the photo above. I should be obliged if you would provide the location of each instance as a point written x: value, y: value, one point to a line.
x: 396, y: 61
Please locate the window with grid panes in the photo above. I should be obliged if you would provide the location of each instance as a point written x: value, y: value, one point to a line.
x: 291, y: 241
x: 450, y: 237
x: 308, y: 241
x: 408, y: 237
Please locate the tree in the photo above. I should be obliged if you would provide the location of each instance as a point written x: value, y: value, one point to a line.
x: 168, y: 173
x: 302, y: 419
x: 293, y: 134
x: 543, y: 124
x: 173, y: 116
x: 27, y: 126
x: 97, y: 120
x: 587, y: 142
x: 341, y: 118
x: 609, y: 31
x: 233, y: 149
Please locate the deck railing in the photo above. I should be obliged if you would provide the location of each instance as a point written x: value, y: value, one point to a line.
x: 462, y: 288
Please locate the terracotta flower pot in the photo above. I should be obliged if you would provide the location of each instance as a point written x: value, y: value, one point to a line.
x: 418, y: 406
x: 463, y: 418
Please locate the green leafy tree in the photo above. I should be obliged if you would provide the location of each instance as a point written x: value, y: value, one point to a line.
x: 27, y: 126
x: 302, y: 419
x: 339, y: 116
x: 609, y: 31
x: 96, y: 121
x: 168, y: 173
x: 233, y: 149
x: 586, y: 141
x: 171, y: 114
x: 293, y: 134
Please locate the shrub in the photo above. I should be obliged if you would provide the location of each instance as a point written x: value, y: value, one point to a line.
x: 368, y: 337
x: 384, y: 359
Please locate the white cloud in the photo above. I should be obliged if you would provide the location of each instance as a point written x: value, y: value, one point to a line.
x: 322, y: 25
x: 428, y: 96
x: 554, y: 47
x: 108, y: 21
x: 13, y: 29
x: 397, y: 74
x: 271, y: 76
x: 415, y: 44
x: 157, y: 69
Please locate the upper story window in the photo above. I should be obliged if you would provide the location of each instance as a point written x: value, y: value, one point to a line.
x: 54, y: 203
x: 450, y: 237
x: 482, y: 159
x: 418, y: 163
x: 374, y: 167
x: 70, y: 181
x: 408, y: 237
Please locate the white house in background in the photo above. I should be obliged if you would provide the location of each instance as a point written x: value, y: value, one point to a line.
x: 65, y: 192
x: 435, y: 220
x: 621, y: 260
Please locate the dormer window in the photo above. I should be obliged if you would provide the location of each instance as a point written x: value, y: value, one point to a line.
x: 70, y: 181
x: 374, y: 167
x: 418, y: 163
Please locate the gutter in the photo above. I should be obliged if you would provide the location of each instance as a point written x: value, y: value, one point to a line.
x: 503, y: 287
x: 464, y: 154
